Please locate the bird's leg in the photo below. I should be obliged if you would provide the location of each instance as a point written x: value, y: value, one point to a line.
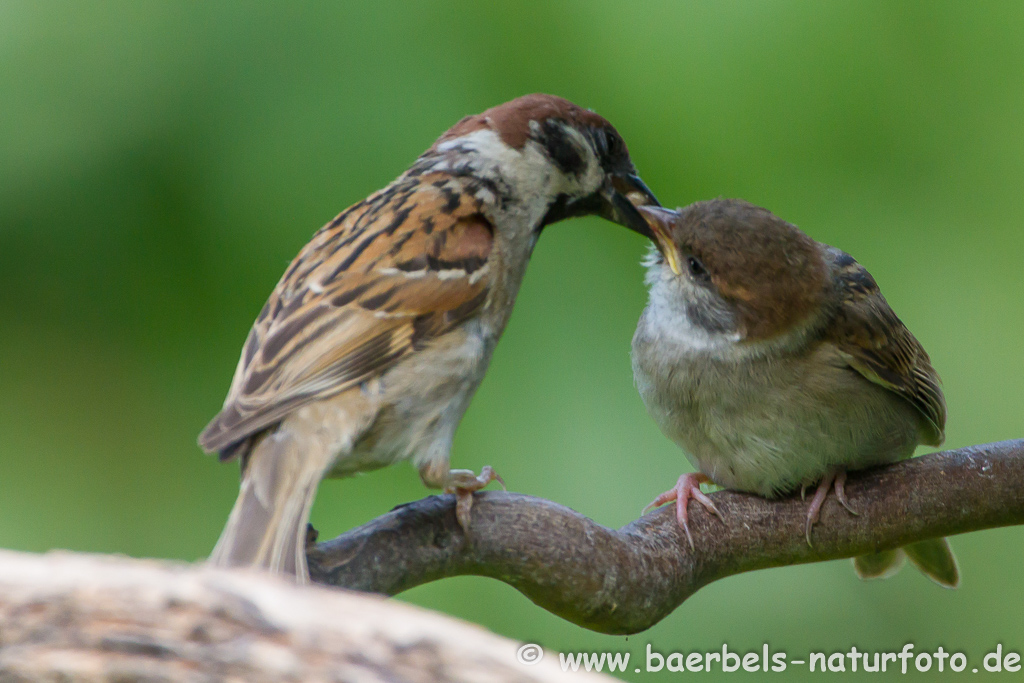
x: 686, y: 488
x: 834, y: 478
x: 463, y: 483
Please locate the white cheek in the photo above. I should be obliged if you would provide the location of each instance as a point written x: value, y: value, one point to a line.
x: 527, y: 169
x: 593, y: 178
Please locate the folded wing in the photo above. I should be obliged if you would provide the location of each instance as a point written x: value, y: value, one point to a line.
x: 351, y: 305
x: 876, y: 343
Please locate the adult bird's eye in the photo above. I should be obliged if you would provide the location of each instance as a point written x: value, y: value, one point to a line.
x: 614, y: 144
x: 697, y: 269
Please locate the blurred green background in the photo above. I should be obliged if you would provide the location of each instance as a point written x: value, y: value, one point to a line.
x: 161, y: 163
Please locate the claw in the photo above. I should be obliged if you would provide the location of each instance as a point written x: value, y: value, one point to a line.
x: 840, y: 483
x: 687, y: 487
x: 833, y: 478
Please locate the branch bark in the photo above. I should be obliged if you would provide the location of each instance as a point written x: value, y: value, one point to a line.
x: 93, y: 618
x: 626, y: 580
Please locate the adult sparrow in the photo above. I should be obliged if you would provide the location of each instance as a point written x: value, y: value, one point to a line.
x: 775, y: 362
x: 378, y: 334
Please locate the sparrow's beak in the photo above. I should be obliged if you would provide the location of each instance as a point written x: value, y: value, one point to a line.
x: 659, y: 225
x: 615, y: 201
x: 622, y: 194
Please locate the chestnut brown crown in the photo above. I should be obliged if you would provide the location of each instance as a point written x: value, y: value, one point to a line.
x: 511, y: 120
x: 772, y: 274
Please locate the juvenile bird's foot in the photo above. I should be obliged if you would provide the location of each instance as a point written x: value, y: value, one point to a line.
x: 686, y: 488
x: 833, y: 478
x: 464, y: 483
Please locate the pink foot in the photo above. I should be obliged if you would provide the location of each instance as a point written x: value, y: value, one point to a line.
x: 464, y: 483
x: 686, y: 488
x: 836, y: 477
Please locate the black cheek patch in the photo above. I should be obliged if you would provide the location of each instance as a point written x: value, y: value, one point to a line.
x: 561, y: 149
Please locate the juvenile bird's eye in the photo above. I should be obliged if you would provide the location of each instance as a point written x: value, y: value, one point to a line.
x: 697, y: 269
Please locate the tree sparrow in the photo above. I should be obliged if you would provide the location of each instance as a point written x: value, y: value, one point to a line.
x: 372, y: 344
x: 775, y: 362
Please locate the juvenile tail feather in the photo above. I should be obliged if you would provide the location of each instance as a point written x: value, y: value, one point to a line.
x: 933, y: 558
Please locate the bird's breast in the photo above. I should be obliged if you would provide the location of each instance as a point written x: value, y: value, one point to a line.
x: 767, y: 425
x: 422, y: 399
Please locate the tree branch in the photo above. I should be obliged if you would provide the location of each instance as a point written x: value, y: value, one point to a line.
x: 101, y: 618
x: 626, y: 580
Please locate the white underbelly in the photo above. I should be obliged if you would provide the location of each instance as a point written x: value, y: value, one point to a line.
x: 753, y: 431
x: 422, y: 401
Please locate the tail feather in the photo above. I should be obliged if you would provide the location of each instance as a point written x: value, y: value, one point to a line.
x: 933, y: 558
x: 879, y: 565
x: 267, y: 526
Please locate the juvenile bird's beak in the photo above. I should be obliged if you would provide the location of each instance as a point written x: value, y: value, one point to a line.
x: 622, y: 194
x: 659, y: 225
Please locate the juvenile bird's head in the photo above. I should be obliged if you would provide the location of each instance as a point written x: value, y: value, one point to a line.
x: 539, y: 159
x: 730, y: 272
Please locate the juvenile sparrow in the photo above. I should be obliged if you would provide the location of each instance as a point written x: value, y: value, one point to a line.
x: 372, y: 344
x: 775, y: 362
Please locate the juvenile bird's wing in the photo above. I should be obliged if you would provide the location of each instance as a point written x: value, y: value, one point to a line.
x: 402, y: 267
x: 873, y: 340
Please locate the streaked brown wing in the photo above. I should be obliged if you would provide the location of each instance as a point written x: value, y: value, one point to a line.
x: 876, y: 343
x: 389, y: 274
